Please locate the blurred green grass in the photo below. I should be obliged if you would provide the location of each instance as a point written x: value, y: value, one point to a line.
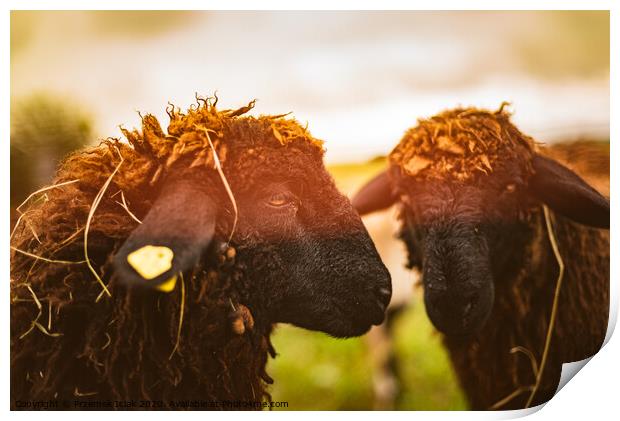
x: 314, y: 371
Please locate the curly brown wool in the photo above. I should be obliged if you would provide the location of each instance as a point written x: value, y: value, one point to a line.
x: 461, y: 144
x: 464, y: 146
x: 82, y: 344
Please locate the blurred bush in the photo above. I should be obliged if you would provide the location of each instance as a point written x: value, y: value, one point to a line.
x: 579, y: 40
x: 43, y: 130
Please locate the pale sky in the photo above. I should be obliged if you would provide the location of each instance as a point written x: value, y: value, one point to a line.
x: 359, y: 79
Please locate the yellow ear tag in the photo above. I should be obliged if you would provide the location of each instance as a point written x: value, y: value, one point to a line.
x: 151, y: 261
x: 169, y: 285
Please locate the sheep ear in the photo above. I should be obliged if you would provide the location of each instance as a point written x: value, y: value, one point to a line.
x: 376, y: 195
x: 171, y: 239
x: 567, y: 193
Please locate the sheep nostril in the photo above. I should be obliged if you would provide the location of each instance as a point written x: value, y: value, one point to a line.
x: 379, y: 316
x: 385, y: 292
x: 469, y: 305
x: 381, y: 305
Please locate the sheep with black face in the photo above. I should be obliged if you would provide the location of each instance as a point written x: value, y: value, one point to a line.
x: 473, y: 192
x: 187, y: 248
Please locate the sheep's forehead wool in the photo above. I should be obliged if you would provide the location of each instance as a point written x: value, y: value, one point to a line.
x: 460, y: 144
x: 203, y: 128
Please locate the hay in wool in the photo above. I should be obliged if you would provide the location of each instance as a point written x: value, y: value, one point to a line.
x: 515, y: 359
x: 132, y: 345
x: 461, y: 144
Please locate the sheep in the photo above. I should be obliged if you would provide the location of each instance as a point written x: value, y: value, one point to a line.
x: 155, y: 269
x: 482, y: 208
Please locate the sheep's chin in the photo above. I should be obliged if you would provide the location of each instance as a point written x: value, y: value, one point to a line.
x: 461, y: 328
x: 344, y: 331
x: 338, y: 325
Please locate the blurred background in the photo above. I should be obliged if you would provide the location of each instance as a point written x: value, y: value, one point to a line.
x: 359, y: 79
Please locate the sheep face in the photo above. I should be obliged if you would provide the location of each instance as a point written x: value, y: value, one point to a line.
x: 310, y: 259
x: 305, y: 255
x: 467, y: 196
x: 450, y: 229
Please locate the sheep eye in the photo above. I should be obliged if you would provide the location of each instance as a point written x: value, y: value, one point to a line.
x: 279, y: 199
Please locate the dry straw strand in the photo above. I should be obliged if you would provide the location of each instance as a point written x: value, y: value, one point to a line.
x: 45, y: 259
x: 91, y: 212
x: 49, y: 315
x: 35, y: 322
x: 510, y: 397
x: 43, y: 189
x: 218, y: 167
x: 77, y: 393
x: 539, y: 370
x: 178, y: 340
x: 30, y: 196
x: 108, y: 341
x: 124, y: 205
x: 28, y: 224
x: 529, y: 354
x: 554, y: 307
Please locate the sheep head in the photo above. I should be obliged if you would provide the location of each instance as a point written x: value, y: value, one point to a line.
x: 258, y: 186
x: 468, y: 181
